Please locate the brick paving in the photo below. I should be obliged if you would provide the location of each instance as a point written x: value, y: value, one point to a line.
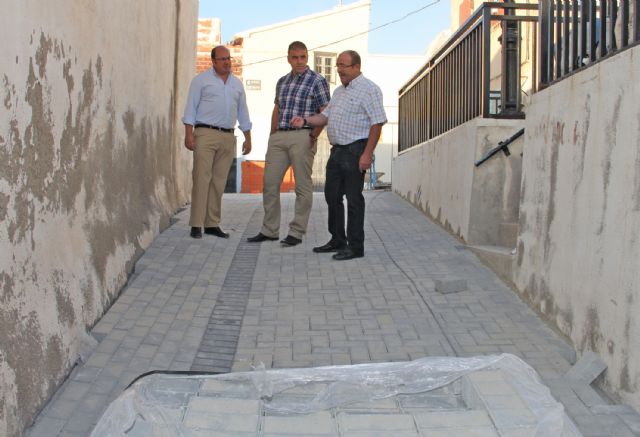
x: 219, y: 305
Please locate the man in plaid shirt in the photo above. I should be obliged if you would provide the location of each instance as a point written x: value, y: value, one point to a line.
x: 354, y: 120
x: 301, y: 92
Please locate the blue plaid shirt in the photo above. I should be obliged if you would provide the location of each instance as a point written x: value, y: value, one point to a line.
x: 300, y: 94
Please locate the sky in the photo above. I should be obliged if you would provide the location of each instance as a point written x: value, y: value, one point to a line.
x: 398, y: 35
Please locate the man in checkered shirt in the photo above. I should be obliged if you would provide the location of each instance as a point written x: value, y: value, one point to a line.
x: 301, y: 92
x: 354, y: 120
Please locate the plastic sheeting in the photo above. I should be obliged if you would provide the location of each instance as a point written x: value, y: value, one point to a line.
x: 156, y: 404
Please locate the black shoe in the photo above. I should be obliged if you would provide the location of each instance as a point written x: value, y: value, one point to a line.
x: 290, y: 241
x: 347, y: 254
x: 260, y: 238
x: 196, y: 232
x: 329, y: 247
x: 216, y: 231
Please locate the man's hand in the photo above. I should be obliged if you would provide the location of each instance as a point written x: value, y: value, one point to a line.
x: 246, y: 147
x: 190, y: 142
x: 365, y: 161
x: 297, y: 122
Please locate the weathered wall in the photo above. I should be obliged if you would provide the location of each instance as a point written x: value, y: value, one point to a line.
x: 439, y: 177
x: 579, y: 246
x: 91, y: 167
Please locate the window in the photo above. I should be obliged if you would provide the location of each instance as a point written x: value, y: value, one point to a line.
x: 324, y: 65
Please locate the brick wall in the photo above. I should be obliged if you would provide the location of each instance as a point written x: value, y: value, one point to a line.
x: 235, y: 48
x: 208, y: 38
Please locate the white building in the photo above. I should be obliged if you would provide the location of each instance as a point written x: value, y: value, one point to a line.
x: 262, y: 53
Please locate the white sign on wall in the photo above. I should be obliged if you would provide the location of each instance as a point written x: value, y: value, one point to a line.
x: 253, y: 84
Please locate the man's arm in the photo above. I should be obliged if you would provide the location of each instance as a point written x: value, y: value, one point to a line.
x: 190, y: 110
x: 244, y: 121
x: 367, y: 156
x: 246, y: 146
x: 316, y: 128
x: 315, y: 121
x: 189, y: 140
x: 322, y: 97
x: 274, y: 118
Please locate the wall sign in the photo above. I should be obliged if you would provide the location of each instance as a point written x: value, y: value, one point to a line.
x: 253, y: 84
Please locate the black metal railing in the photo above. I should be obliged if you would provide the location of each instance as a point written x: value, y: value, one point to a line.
x: 503, y: 146
x: 453, y: 87
x: 577, y: 33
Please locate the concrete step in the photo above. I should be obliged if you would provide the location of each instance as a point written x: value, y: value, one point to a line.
x: 508, y: 234
x: 500, y: 259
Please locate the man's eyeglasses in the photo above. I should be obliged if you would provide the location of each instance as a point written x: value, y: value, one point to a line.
x: 344, y: 65
x: 224, y: 58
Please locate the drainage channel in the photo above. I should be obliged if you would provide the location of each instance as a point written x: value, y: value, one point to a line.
x: 218, y: 346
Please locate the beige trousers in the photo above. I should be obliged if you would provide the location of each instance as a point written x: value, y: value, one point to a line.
x: 212, y: 160
x: 288, y: 148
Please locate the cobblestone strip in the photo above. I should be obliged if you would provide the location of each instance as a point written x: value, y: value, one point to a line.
x: 218, y: 346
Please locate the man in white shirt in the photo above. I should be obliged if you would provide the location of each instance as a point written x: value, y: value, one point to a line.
x: 216, y: 101
x: 354, y: 119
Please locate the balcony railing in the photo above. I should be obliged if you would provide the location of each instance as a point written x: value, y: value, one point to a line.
x: 577, y: 33
x: 453, y: 87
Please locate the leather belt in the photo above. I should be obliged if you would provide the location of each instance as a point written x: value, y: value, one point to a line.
x: 286, y: 129
x: 208, y: 126
x: 361, y: 140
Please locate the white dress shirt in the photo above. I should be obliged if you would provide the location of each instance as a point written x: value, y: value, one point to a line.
x: 214, y: 102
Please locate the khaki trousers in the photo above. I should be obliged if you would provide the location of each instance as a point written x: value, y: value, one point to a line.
x: 288, y: 148
x: 212, y: 160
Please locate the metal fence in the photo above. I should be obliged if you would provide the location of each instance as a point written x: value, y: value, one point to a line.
x: 575, y: 34
x: 453, y: 87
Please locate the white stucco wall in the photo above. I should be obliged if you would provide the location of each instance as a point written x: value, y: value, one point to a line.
x: 91, y: 167
x: 579, y: 244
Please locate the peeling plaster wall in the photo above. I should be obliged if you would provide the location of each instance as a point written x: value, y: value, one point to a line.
x: 579, y: 244
x: 91, y: 168
x: 439, y: 178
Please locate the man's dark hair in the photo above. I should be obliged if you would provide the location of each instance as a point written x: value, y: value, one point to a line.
x: 297, y: 45
x: 213, y: 51
x: 355, y: 57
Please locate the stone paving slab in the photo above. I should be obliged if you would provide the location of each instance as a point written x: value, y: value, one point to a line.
x: 422, y: 398
x: 304, y: 309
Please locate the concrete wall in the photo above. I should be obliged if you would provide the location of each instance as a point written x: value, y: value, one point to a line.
x: 91, y: 168
x: 579, y: 246
x: 439, y: 178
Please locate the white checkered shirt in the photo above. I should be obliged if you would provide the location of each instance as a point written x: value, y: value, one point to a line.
x: 353, y: 110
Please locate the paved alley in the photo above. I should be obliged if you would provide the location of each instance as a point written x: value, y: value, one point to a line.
x: 216, y: 305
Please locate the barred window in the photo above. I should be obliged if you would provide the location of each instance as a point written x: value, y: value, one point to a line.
x: 324, y: 65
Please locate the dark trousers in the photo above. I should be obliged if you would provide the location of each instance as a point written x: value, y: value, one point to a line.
x: 344, y: 178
